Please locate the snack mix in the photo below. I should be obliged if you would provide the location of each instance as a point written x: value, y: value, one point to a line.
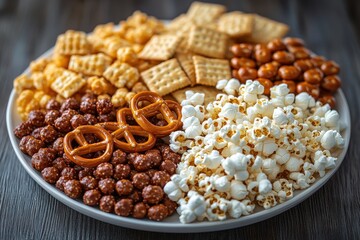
x: 208, y: 116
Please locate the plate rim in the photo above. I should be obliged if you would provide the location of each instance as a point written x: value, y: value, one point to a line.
x: 172, y: 227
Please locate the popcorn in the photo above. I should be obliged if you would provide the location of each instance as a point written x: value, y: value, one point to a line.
x: 193, y: 98
x: 229, y: 111
x: 323, y: 161
x: 221, y: 84
x: 264, y: 184
x: 283, y: 189
x: 230, y: 133
x: 231, y: 87
x: 175, y: 187
x: 222, y: 184
x: 294, y: 164
x: 331, y: 139
x: 236, y: 166
x: 281, y: 156
x: 266, y: 147
x: 238, y: 190
x: 280, y: 96
x: 267, y: 201
x: 251, y: 90
x: 304, y: 100
x: 247, y: 149
x: 332, y: 119
x: 237, y: 209
x: 191, y: 111
x: 194, y: 208
x: 213, y: 160
x: 271, y: 168
x: 264, y: 107
x: 321, y: 110
x: 192, y: 127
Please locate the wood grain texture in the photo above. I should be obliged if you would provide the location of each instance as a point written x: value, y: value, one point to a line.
x: 29, y: 27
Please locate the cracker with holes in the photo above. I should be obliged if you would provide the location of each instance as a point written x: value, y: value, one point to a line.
x: 166, y: 77
x: 207, y: 42
x: 204, y: 13
x: 210, y: 93
x: 209, y: 71
x: 236, y: 24
x: 186, y: 62
x: 178, y: 22
x: 68, y: 83
x: 94, y: 64
x: 160, y: 47
x: 264, y: 30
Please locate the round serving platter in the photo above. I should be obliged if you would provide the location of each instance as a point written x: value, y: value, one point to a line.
x: 172, y: 224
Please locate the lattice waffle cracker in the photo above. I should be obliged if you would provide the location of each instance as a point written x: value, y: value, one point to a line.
x: 160, y: 47
x: 94, y: 64
x: 68, y: 83
x: 121, y: 74
x: 72, y: 43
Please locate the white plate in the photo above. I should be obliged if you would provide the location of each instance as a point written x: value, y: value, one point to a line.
x: 172, y: 223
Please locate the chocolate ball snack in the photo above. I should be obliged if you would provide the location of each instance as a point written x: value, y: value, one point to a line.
x: 116, y: 186
x: 286, y: 61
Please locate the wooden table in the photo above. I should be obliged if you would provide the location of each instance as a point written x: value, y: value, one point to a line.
x: 29, y: 27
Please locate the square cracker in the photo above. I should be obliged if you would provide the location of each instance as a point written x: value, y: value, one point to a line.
x: 203, y: 13
x: 236, y: 24
x: 68, y: 83
x: 166, y: 77
x: 160, y: 47
x: 264, y: 30
x: 186, y: 62
x: 210, y: 93
x: 209, y: 71
x: 178, y: 22
x: 207, y: 42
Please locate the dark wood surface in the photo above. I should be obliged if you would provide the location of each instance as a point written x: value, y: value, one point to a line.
x: 29, y: 27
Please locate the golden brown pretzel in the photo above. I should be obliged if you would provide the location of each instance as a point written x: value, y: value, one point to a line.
x: 122, y: 130
x: 157, y: 105
x: 75, y: 154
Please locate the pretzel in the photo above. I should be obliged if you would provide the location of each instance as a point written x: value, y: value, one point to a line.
x: 157, y: 105
x: 75, y: 154
x: 122, y: 130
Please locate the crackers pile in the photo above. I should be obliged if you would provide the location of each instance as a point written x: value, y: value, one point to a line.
x: 142, y: 53
x: 199, y: 41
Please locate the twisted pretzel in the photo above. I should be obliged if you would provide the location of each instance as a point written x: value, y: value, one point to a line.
x: 121, y: 129
x: 157, y: 105
x: 75, y: 154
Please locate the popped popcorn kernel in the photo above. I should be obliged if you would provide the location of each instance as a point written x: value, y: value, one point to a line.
x: 246, y: 149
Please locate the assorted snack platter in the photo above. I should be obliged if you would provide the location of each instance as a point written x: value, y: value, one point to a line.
x: 211, y: 117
